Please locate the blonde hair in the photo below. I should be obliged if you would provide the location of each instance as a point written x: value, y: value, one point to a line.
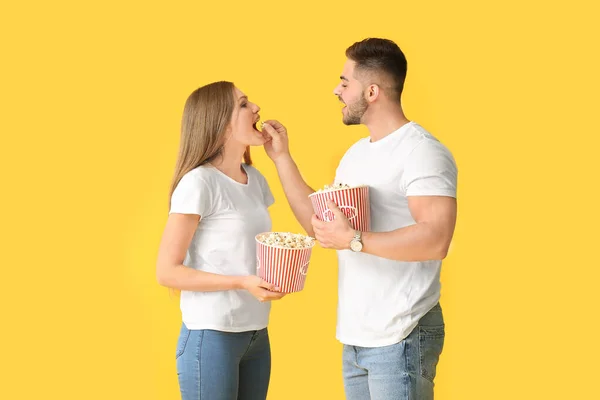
x: 206, y: 115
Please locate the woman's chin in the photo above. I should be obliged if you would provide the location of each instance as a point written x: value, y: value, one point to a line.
x: 260, y: 137
x: 258, y: 140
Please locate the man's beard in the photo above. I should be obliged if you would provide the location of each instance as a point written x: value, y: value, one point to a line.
x: 355, y: 111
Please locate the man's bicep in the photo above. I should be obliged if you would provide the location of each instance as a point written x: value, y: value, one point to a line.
x: 438, y: 211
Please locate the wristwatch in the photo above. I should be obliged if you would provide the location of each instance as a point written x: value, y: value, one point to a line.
x: 356, y: 242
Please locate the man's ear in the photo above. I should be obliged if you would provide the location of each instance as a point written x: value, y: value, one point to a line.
x: 373, y: 92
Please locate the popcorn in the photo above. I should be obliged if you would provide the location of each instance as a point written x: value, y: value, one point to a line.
x: 352, y: 201
x: 287, y: 240
x: 335, y: 186
x: 282, y: 259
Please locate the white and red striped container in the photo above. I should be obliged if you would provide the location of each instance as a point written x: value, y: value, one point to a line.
x: 353, y: 202
x: 284, y: 267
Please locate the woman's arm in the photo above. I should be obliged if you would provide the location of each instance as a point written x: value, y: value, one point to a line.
x: 171, y: 272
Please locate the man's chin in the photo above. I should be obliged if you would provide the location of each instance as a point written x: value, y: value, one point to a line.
x: 350, y: 122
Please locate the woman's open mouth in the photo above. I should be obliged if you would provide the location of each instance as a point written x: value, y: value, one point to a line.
x: 256, y: 124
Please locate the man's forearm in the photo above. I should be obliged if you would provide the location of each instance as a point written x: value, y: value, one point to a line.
x: 297, y: 192
x: 419, y: 242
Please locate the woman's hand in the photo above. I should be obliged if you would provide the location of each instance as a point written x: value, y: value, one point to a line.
x: 260, y: 289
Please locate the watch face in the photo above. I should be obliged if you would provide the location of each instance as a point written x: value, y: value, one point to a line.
x: 356, y: 245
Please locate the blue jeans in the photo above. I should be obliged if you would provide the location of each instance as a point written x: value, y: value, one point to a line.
x: 214, y: 365
x: 402, y: 371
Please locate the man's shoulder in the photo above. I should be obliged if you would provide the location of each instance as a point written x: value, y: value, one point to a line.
x: 420, y: 140
x: 360, y: 143
x: 357, y: 147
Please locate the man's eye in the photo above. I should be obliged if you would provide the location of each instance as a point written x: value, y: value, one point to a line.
x: 344, y: 85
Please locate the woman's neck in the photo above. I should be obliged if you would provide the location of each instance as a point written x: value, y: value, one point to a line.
x: 230, y: 164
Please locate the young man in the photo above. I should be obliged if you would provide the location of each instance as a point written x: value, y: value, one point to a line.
x: 389, y: 318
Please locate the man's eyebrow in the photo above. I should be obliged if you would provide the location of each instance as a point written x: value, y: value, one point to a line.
x: 342, y: 77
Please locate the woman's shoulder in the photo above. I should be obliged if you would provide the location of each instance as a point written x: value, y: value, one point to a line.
x: 252, y: 170
x: 204, y: 171
x: 198, y: 176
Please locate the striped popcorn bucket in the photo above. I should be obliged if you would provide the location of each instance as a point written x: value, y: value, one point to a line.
x: 283, y: 267
x: 353, y: 202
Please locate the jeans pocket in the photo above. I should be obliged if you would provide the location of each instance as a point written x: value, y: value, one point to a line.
x: 184, y: 335
x: 431, y: 342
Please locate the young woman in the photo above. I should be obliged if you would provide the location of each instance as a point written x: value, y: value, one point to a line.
x: 218, y: 205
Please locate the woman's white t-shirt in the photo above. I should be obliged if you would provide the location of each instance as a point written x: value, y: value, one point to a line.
x: 232, y: 214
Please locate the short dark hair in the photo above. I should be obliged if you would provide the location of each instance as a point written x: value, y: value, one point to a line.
x: 380, y: 55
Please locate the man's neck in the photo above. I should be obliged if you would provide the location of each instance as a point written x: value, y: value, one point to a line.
x: 384, y: 122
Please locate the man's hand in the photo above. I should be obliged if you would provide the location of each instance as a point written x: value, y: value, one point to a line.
x: 336, y: 234
x: 276, y: 140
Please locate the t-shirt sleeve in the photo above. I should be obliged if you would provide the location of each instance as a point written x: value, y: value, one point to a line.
x: 266, y: 190
x: 191, y: 196
x: 430, y: 170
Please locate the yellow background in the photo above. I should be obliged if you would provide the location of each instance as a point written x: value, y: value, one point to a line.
x: 91, y: 100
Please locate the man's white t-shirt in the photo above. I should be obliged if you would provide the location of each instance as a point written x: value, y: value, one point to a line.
x: 232, y: 214
x: 380, y: 301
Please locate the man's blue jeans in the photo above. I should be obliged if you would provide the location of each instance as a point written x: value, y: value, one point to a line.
x: 402, y: 371
x: 216, y: 365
